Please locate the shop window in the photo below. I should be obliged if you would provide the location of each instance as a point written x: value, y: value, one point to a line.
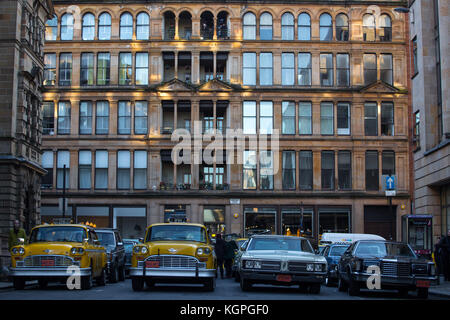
x: 259, y: 221
x: 334, y: 220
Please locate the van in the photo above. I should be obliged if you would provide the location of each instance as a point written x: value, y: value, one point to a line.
x: 329, y: 238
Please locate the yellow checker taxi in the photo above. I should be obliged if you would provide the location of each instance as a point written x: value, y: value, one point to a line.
x: 176, y: 253
x: 56, y: 252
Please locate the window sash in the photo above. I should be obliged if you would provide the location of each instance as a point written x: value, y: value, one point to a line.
x: 326, y: 118
x: 306, y: 170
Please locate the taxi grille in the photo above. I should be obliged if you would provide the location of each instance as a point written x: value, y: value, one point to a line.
x: 176, y: 261
x: 47, y: 261
x: 395, y: 269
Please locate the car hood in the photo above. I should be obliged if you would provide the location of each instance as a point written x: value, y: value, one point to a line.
x: 188, y: 248
x: 283, y: 255
x: 46, y: 248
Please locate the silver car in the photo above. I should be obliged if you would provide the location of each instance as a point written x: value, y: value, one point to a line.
x: 281, y: 260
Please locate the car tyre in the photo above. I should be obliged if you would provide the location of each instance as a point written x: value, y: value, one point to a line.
x: 353, y: 286
x: 101, y: 281
x: 246, y: 285
x: 122, y: 273
x: 86, y: 282
x: 19, y: 284
x: 114, y: 276
x: 422, y: 293
x: 149, y: 283
x: 42, y: 284
x: 237, y: 277
x: 328, y: 281
x: 137, y: 284
x: 314, y: 288
x: 210, y: 284
x: 342, y: 286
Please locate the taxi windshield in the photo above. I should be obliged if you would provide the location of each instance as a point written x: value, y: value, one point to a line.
x: 280, y: 244
x: 58, y: 234
x: 382, y: 249
x: 176, y: 233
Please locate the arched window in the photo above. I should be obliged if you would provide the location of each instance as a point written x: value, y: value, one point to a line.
x: 326, y: 27
x: 342, y: 32
x: 104, y: 26
x: 51, y: 28
x: 169, y: 25
x: 368, y: 27
x: 385, y: 31
x: 88, y: 31
x: 185, y: 25
x: 67, y: 27
x: 304, y: 26
x: 126, y: 26
x: 249, y: 23
x: 142, y: 26
x: 265, y: 26
x: 207, y: 25
x: 287, y: 26
x: 223, y: 25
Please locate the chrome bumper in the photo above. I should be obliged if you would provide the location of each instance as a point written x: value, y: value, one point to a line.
x: 393, y: 280
x: 175, y: 273
x: 48, y: 272
x: 316, y: 277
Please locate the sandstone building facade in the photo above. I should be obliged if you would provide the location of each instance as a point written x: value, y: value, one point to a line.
x: 331, y: 76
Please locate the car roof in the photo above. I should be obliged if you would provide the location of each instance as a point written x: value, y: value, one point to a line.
x: 274, y: 236
x: 177, y: 223
x: 64, y: 225
x: 383, y: 241
x: 107, y: 229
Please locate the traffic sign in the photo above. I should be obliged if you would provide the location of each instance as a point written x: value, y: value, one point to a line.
x: 390, y: 183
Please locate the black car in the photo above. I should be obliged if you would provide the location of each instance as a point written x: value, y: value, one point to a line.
x: 112, y: 241
x: 395, y: 262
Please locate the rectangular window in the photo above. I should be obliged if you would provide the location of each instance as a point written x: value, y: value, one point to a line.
x: 304, y: 69
x: 371, y: 119
x: 344, y: 170
x: 288, y: 117
x: 63, y: 117
x: 48, y: 118
x: 388, y: 163
x: 327, y: 170
x: 372, y: 173
x: 265, y: 117
x: 326, y: 118
x: 123, y: 169
x: 414, y: 56
x: 125, y: 68
x: 343, y: 70
x: 102, y: 117
x: 386, y: 69
x: 249, y: 170
x: 140, y: 117
x: 141, y: 68
x: 265, y: 69
x: 343, y: 118
x: 370, y: 68
x: 47, y: 164
x: 416, y: 133
x: 49, y: 69
x: 87, y: 69
x: 140, y: 169
x: 306, y: 170
x: 287, y: 69
x: 249, y: 117
x: 305, y: 118
x: 288, y: 170
x: 84, y: 169
x: 266, y: 170
x: 85, y: 117
x: 103, y: 68
x: 326, y: 69
x: 101, y: 169
x: 63, y: 159
x: 65, y: 69
x: 124, y: 118
x: 387, y: 119
x: 249, y: 69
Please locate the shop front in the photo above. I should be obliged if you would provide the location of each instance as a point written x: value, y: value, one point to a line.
x: 214, y: 219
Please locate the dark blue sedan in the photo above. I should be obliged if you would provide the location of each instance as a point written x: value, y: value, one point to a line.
x: 333, y: 253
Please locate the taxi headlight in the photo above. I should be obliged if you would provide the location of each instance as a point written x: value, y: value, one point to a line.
x: 15, y: 251
x: 21, y: 250
x: 144, y: 250
x: 76, y: 250
x: 203, y: 251
x: 310, y: 267
x: 137, y: 249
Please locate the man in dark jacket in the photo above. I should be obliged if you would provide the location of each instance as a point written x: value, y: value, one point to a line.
x: 219, y: 248
x: 444, y: 246
x: 230, y: 246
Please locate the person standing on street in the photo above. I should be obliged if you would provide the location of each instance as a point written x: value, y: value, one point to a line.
x: 219, y: 248
x: 444, y: 246
x: 230, y: 246
x: 15, y: 234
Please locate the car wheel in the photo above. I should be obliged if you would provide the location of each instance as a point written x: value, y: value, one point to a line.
x: 137, y: 284
x: 114, y: 276
x: 101, y: 281
x: 19, y: 284
x: 314, y: 288
x: 86, y: 282
x: 237, y: 278
x: 149, y: 283
x: 422, y: 293
x: 342, y: 286
x: 42, y: 284
x: 353, y: 286
x: 403, y: 292
x: 328, y: 281
x: 245, y: 284
x: 210, y: 284
x: 122, y: 273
